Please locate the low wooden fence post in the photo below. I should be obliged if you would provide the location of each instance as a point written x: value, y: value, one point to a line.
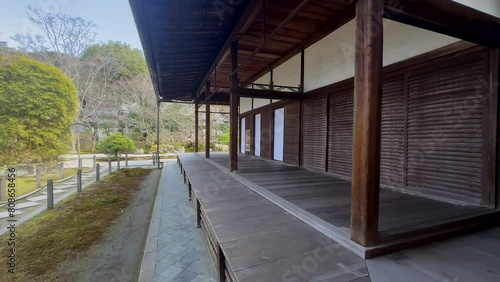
x: 109, y: 165
x: 126, y: 159
x: 97, y: 172
x: 38, y: 178
x: 79, y: 180
x: 61, y: 170
x: 118, y: 162
x: 154, y: 159
x: 50, y: 194
x: 94, y: 160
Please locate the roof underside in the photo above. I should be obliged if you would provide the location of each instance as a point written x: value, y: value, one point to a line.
x: 181, y: 40
x: 187, y: 42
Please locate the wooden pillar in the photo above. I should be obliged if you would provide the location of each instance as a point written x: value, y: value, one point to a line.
x: 196, y: 122
x: 79, y: 180
x: 233, y: 111
x: 109, y: 165
x: 207, y: 121
x: 233, y: 133
x: 271, y: 80
x: 98, y: 172
x: 302, y: 67
x: 61, y: 170
x: 50, y: 194
x: 367, y: 122
x: 38, y: 177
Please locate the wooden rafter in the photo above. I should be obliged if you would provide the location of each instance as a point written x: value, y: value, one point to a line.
x: 274, y: 33
x: 329, y: 27
x: 246, y: 20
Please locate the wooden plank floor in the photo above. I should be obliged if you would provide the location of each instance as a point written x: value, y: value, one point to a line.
x: 329, y: 198
x: 473, y: 257
x: 260, y: 241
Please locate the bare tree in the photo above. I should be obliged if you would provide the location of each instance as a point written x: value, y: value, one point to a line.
x: 135, y: 97
x: 62, y: 34
x: 94, y: 83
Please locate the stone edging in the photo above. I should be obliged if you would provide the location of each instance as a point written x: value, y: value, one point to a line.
x: 148, y: 264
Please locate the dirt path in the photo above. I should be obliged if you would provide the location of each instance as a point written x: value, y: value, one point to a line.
x: 118, y: 257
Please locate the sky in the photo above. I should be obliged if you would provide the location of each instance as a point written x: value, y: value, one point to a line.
x: 113, y: 18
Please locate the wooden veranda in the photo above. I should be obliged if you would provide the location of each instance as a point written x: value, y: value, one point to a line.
x: 264, y: 223
x: 206, y: 52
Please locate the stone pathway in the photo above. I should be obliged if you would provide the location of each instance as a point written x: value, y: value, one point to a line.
x: 180, y: 250
x: 32, y: 205
x: 27, y: 207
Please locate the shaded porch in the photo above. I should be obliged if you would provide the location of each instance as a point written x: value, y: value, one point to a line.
x: 404, y: 219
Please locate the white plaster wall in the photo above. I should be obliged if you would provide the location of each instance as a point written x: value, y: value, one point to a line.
x: 264, y: 79
x: 257, y: 103
x: 491, y: 7
x: 288, y: 74
x: 332, y: 59
x: 245, y: 104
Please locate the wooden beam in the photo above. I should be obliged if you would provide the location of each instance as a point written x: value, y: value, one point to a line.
x: 233, y: 110
x: 207, y: 122
x: 333, y: 24
x: 268, y: 94
x: 196, y: 129
x: 275, y: 31
x: 447, y: 17
x: 367, y: 122
x: 246, y: 20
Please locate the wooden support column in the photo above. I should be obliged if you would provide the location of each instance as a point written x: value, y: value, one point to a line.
x: 233, y: 111
x: 207, y: 121
x: 302, y: 66
x: 196, y: 129
x: 367, y: 122
x: 271, y: 80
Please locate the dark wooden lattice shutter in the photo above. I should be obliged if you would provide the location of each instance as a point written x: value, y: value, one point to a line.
x: 447, y: 129
x: 292, y: 134
x: 340, y: 133
x: 315, y: 133
x: 392, y: 158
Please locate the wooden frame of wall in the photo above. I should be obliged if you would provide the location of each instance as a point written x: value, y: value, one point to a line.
x: 449, y: 53
x: 366, y: 125
x: 267, y: 129
x: 453, y: 53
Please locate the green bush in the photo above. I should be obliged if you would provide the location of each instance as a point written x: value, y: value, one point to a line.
x: 38, y: 105
x: 115, y: 144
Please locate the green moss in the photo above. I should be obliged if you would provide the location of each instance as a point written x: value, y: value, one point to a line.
x: 73, y: 226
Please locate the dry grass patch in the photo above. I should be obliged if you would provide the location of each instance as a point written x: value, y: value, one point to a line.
x: 60, y: 235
